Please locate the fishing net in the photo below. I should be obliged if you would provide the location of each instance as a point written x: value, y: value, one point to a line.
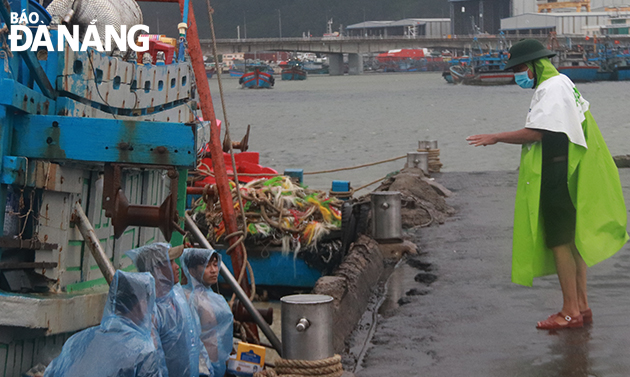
x: 279, y: 213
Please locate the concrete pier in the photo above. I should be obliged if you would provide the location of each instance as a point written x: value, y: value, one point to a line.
x: 355, y: 64
x: 454, y: 312
x: 335, y: 64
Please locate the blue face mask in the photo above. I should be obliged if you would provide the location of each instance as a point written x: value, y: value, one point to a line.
x: 522, y: 79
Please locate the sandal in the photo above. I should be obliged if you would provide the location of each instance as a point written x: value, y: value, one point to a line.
x: 587, y: 315
x: 551, y: 324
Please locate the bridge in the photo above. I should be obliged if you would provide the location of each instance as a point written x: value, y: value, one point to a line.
x: 335, y: 47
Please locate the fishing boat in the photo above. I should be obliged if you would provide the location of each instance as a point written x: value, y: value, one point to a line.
x: 257, y: 77
x: 448, y: 76
x: 482, y: 68
x: 87, y: 136
x: 210, y: 70
x: 293, y: 70
x: 237, y: 69
x: 315, y: 68
x: 482, y: 71
x: 576, y: 66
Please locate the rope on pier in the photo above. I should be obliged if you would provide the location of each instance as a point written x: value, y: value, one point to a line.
x: 355, y: 167
x: 330, y: 367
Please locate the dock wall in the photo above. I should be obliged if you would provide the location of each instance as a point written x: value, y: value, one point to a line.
x: 351, y: 286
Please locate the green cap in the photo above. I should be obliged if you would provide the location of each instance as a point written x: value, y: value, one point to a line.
x: 526, y: 50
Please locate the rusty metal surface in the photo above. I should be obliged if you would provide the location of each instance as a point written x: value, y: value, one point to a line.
x: 117, y: 207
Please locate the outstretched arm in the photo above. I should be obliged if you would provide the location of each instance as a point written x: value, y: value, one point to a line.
x: 522, y: 136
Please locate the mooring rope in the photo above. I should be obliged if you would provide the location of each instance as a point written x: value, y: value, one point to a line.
x: 354, y: 167
x: 330, y: 367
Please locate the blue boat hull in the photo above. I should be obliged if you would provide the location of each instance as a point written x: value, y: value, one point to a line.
x: 256, y: 80
x: 622, y: 74
x: 293, y: 74
x: 580, y: 73
x: 278, y: 270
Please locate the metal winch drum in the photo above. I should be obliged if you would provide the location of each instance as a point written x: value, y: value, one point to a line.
x: 307, y: 327
x: 418, y: 160
x: 386, y: 219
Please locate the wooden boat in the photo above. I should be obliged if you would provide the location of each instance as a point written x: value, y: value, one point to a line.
x: 257, y: 77
x: 293, y: 70
x: 576, y: 66
x: 485, y: 76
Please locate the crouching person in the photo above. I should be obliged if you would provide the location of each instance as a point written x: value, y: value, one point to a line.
x: 176, y: 325
x: 121, y: 345
x: 201, y: 267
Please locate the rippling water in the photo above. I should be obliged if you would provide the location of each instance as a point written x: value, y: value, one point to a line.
x: 328, y: 122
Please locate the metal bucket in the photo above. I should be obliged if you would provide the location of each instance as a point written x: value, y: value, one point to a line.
x: 386, y: 220
x: 307, y: 327
x: 418, y: 160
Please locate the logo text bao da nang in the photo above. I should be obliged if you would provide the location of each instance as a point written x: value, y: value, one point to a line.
x: 22, y: 37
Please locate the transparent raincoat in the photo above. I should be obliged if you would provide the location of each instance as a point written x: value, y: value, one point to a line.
x: 214, y: 312
x: 121, y: 346
x: 177, y: 325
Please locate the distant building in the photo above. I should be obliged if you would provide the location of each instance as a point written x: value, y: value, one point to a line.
x: 409, y: 27
x: 478, y: 16
x: 531, y: 6
x: 568, y: 23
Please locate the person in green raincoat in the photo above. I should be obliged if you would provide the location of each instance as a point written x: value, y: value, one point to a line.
x: 569, y: 208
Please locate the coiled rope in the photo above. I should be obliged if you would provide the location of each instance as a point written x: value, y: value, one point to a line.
x: 330, y: 367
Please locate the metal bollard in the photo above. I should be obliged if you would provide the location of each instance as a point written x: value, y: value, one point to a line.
x: 418, y: 160
x: 423, y: 145
x: 386, y: 219
x: 432, y: 144
x: 307, y: 327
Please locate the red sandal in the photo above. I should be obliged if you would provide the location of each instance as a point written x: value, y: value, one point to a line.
x: 587, y: 315
x: 551, y: 324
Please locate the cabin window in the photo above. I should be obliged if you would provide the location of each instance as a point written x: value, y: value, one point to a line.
x: 173, y: 83
x: 160, y: 85
x: 77, y: 67
x: 117, y: 82
x: 184, y: 81
x: 98, y: 76
x: 147, y: 86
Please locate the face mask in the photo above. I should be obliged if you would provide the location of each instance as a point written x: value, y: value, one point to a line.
x: 522, y: 79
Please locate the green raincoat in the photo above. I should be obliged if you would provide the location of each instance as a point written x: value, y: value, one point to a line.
x: 593, y: 181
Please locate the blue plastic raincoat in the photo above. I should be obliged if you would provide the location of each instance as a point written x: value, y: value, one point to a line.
x: 177, y: 325
x: 121, y: 346
x: 216, y: 318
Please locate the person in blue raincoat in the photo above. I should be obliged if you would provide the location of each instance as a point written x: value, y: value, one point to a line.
x: 201, y: 267
x: 121, y: 346
x: 177, y: 326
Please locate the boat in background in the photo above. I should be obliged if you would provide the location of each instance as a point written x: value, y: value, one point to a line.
x: 210, y: 71
x: 257, y: 77
x: 293, y: 70
x: 576, y: 66
x: 409, y: 60
x: 315, y: 68
x: 482, y: 68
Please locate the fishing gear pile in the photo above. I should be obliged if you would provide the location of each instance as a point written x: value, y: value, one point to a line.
x: 279, y: 212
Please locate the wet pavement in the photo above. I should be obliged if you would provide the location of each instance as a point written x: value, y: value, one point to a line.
x: 452, y: 311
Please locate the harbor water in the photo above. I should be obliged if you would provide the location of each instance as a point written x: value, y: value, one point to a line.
x: 328, y: 122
